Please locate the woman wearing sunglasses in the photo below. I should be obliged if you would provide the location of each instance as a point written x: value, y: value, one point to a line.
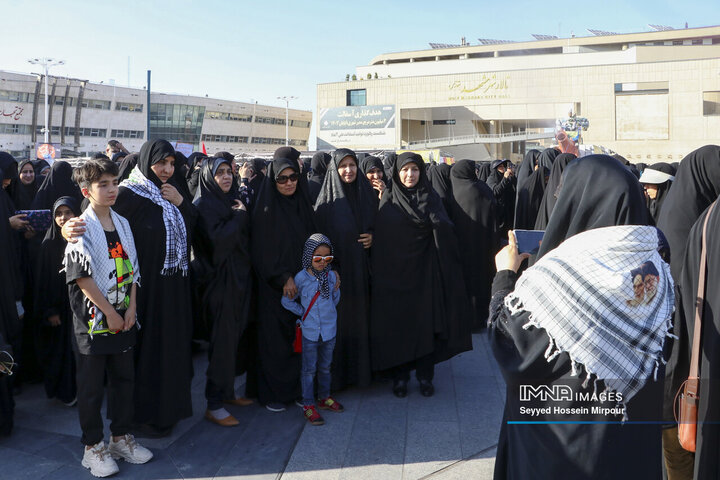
x: 281, y: 222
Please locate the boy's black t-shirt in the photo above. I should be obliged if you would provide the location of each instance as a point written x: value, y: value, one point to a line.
x: 100, y: 343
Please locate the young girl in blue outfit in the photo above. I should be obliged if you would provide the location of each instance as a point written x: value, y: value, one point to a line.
x: 318, y: 297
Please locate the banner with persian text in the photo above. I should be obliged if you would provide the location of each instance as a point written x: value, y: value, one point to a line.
x: 366, y: 127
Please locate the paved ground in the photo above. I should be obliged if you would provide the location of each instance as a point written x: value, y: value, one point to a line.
x: 449, y: 436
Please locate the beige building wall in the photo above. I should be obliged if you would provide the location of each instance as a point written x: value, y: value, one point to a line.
x: 648, y: 128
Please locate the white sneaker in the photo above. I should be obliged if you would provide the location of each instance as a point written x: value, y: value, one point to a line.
x: 99, y: 461
x: 128, y: 449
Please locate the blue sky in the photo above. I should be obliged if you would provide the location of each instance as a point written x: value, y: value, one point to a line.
x: 241, y: 50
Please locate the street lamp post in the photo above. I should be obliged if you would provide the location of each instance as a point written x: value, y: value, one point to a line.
x: 46, y: 63
x: 287, y: 121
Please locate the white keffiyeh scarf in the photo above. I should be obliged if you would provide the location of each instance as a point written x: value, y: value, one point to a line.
x: 91, y: 251
x: 604, y: 296
x: 176, y: 257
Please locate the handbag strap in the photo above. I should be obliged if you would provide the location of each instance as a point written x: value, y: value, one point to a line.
x: 312, y: 302
x: 700, y: 300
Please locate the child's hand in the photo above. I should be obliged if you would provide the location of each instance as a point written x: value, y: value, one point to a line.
x: 115, y: 322
x: 130, y: 315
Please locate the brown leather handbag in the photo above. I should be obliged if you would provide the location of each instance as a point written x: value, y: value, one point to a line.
x: 689, y: 394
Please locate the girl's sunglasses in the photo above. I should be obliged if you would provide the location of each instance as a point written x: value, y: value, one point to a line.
x: 320, y: 258
x: 283, y: 179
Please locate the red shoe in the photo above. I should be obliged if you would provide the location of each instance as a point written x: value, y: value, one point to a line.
x: 313, y: 416
x: 331, y: 404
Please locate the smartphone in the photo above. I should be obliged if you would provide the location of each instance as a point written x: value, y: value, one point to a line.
x: 39, y: 219
x: 528, y: 241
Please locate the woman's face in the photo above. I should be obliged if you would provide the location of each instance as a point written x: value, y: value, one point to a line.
x: 287, y: 181
x: 62, y: 215
x: 347, y: 169
x: 224, y: 177
x: 375, y: 174
x: 27, y: 174
x: 409, y: 174
x: 651, y: 190
x: 164, y: 169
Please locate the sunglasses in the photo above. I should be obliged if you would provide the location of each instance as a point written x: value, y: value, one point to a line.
x: 283, y: 179
x: 320, y: 258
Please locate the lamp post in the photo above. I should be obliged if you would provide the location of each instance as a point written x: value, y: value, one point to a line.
x: 46, y: 63
x: 287, y: 121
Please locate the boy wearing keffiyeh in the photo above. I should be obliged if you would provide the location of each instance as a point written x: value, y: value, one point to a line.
x: 318, y: 297
x: 102, y: 275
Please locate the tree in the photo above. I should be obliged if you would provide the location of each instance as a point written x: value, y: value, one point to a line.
x: 354, y: 77
x: 369, y: 76
x: 347, y: 77
x: 376, y: 76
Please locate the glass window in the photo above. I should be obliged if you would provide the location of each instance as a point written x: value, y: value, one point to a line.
x: 356, y: 97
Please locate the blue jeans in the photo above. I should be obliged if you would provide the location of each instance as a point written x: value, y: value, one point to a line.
x: 316, y: 356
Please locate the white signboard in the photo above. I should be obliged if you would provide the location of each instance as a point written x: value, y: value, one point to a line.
x: 366, y: 127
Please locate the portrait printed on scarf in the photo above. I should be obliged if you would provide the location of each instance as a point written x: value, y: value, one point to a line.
x: 638, y: 287
x: 644, y: 284
x: 651, y: 277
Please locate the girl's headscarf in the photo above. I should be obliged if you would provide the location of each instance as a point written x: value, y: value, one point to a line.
x: 312, y: 243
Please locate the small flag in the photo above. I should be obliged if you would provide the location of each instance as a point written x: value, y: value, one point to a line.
x: 204, y: 151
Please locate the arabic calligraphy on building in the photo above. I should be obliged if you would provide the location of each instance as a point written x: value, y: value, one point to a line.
x: 15, y: 113
x: 489, y: 86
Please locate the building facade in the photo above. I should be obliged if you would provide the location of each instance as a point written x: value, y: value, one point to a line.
x: 652, y: 96
x: 84, y: 116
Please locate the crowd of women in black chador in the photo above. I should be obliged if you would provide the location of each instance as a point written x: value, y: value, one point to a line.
x: 414, y: 248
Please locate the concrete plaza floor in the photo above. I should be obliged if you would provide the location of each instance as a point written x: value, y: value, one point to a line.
x: 451, y: 435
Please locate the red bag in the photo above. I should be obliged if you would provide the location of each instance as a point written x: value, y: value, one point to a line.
x: 297, y: 343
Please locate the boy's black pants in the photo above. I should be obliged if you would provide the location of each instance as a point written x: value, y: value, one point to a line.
x: 120, y: 368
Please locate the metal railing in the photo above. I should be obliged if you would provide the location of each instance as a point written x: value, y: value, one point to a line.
x: 480, y: 138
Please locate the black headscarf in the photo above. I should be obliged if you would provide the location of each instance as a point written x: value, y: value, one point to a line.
x: 319, y: 166
x: 527, y: 167
x: 696, y: 186
x: 439, y: 177
x: 473, y: 212
x: 195, y: 160
x: 50, y: 286
x: 483, y: 171
x: 597, y: 191
x: 226, y: 155
x: 548, y: 200
x: 21, y: 194
x: 280, y: 226
x: 39, y: 165
x: 389, y: 159
x: 211, y: 191
x: 654, y: 204
x: 9, y: 166
x: 179, y: 173
x: 344, y: 211
x: 370, y: 162
x: 151, y: 153
x: 531, y: 189
x: 58, y: 183
x: 126, y: 166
